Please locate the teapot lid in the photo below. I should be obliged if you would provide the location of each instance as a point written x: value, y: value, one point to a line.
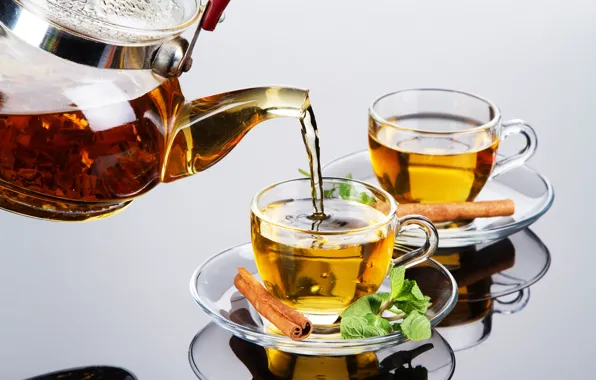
x: 113, y: 34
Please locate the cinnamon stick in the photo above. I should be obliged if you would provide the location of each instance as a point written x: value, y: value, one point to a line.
x: 287, y: 320
x: 445, y: 212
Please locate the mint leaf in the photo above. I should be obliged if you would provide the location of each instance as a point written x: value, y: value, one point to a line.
x: 385, y: 297
x: 361, y: 307
x: 411, y: 298
x: 416, y: 292
x: 367, y: 199
x: 304, y: 172
x: 416, y: 326
x: 397, y: 276
x: 405, y: 293
x: 364, y: 318
x: 414, y: 305
x: 370, y: 304
x: 358, y: 327
x: 345, y: 189
x: 378, y: 322
x: 393, y: 309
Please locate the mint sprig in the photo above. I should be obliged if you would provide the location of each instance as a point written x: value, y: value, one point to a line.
x: 346, y: 191
x: 364, y: 318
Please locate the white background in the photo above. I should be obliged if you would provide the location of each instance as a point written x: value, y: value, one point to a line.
x: 62, y: 285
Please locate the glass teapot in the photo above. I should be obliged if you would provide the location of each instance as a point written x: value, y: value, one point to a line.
x: 91, y: 111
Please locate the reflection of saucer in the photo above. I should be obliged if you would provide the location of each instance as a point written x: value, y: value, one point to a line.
x: 216, y: 354
x: 493, y: 278
x: 496, y: 269
x: 470, y: 323
x: 533, y: 195
x: 212, y: 288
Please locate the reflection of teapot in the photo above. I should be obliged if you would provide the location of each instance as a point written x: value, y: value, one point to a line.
x: 91, y: 111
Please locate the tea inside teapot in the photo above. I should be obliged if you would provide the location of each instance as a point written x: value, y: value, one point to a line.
x: 80, y: 142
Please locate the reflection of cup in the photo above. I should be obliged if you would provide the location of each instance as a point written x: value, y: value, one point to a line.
x: 470, y: 323
x: 472, y: 267
x: 271, y: 364
x: 320, y: 266
x: 295, y: 367
x: 434, y: 145
x: 466, y: 312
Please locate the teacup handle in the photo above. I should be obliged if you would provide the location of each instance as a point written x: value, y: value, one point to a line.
x: 513, y: 127
x: 418, y: 255
x: 514, y: 305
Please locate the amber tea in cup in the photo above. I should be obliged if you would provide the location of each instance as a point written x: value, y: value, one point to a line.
x: 434, y: 145
x: 319, y: 266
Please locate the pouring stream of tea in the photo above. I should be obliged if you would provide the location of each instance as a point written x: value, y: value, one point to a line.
x: 311, y: 141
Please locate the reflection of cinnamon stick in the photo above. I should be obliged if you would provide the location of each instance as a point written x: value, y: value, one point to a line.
x: 446, y: 212
x: 476, y: 266
x: 469, y: 265
x: 287, y: 320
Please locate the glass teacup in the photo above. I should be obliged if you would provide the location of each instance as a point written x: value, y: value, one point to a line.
x: 320, y: 267
x: 435, y: 145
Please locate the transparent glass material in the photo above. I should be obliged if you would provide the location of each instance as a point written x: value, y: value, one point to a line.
x: 81, y: 143
x: 117, y: 21
x: 470, y: 323
x: 212, y: 287
x: 532, y: 194
x: 244, y: 360
x: 489, y: 271
x: 320, y: 266
x: 435, y: 145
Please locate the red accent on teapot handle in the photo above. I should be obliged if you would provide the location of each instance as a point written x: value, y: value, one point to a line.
x: 214, y: 11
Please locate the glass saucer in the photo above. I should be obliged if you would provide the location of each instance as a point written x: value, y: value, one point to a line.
x: 497, y: 269
x: 216, y: 354
x: 470, y: 323
x: 212, y: 287
x: 532, y: 193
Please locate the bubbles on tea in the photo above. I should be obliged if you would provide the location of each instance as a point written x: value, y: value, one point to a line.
x: 341, y: 215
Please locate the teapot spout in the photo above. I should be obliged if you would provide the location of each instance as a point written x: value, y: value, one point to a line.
x: 207, y: 129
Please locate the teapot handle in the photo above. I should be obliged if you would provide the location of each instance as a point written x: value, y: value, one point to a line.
x: 213, y: 14
x: 175, y: 56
